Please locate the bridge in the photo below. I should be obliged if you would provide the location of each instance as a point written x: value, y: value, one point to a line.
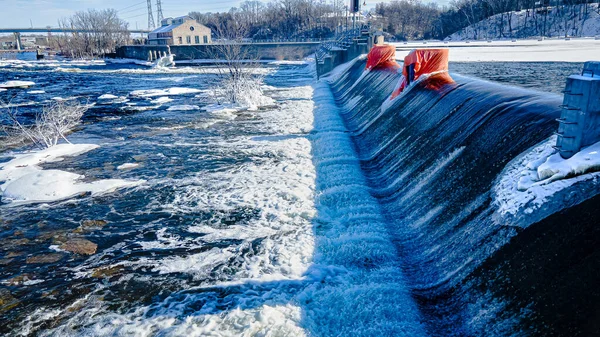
x: 17, y: 32
x: 61, y: 30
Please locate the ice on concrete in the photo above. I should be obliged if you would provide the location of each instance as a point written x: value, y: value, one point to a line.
x: 23, y: 180
x: 531, y: 179
x: 16, y: 84
x: 555, y: 167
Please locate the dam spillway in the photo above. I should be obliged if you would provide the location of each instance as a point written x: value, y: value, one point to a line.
x: 434, y: 160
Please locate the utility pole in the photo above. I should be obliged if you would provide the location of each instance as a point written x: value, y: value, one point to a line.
x: 159, y: 13
x: 151, y: 24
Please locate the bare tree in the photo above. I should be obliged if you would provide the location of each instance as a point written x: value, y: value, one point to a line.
x: 98, y: 32
x: 51, y: 125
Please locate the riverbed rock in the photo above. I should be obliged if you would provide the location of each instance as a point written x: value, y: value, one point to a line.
x: 44, y: 258
x: 90, y: 226
x: 102, y: 272
x: 79, y: 246
x: 19, y: 279
x: 4, y: 262
x: 7, y: 301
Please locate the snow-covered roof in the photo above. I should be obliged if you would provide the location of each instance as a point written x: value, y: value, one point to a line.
x: 165, y: 29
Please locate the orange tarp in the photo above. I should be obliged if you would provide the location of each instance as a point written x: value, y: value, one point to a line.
x: 425, y: 61
x: 382, y: 57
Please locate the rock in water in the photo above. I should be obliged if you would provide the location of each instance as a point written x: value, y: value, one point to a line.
x: 90, y: 225
x: 7, y: 301
x: 46, y: 258
x: 79, y: 246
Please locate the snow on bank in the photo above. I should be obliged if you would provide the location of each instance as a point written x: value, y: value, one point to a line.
x: 576, y: 20
x: 555, y: 50
x: 533, y: 178
x: 25, y: 181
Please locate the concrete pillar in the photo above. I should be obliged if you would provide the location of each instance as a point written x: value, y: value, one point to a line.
x: 150, y: 55
x: 579, y: 122
x: 18, y: 40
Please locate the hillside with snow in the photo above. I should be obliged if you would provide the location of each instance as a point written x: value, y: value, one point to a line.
x: 559, y: 21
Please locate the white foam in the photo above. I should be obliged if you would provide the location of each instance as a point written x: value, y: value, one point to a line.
x: 35, y: 92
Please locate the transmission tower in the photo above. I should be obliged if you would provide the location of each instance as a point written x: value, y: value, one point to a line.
x: 159, y: 14
x: 151, y: 24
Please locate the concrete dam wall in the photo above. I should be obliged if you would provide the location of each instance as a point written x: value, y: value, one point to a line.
x: 480, y: 257
x: 282, y: 51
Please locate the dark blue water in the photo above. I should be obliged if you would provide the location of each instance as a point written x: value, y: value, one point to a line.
x: 433, y: 160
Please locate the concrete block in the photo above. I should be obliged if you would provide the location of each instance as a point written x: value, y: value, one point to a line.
x: 579, y: 123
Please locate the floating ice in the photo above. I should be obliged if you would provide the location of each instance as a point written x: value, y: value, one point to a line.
x: 161, y: 100
x: 164, y: 92
x: 107, y: 96
x: 16, y: 84
x: 25, y: 181
x: 183, y: 108
x: 127, y: 166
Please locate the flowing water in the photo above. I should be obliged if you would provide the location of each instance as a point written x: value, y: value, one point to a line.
x: 321, y: 215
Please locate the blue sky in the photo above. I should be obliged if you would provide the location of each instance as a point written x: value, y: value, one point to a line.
x: 42, y: 13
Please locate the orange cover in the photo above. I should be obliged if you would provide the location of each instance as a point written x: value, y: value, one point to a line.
x: 382, y: 57
x: 426, y: 61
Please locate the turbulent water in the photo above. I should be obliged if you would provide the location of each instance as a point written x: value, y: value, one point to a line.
x: 320, y: 215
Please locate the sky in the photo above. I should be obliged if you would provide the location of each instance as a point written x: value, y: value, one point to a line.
x: 42, y: 13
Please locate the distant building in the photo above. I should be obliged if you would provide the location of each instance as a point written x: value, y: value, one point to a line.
x: 183, y: 30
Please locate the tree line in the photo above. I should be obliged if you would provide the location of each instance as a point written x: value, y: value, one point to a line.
x: 403, y: 19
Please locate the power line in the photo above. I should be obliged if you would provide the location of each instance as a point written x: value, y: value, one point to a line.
x: 131, y: 6
x: 132, y: 10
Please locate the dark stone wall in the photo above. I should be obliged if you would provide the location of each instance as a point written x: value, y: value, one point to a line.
x: 283, y: 51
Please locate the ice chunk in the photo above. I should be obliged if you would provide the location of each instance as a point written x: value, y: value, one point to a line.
x: 127, y: 166
x: 584, y: 161
x: 161, y: 100
x: 183, y: 108
x: 164, y: 92
x: 108, y: 96
x: 16, y: 84
x: 24, y: 180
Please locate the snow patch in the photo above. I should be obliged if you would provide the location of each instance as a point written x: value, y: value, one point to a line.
x: 25, y: 181
x: 531, y: 179
x: 16, y: 84
x: 127, y: 166
x: 183, y: 108
x: 164, y: 92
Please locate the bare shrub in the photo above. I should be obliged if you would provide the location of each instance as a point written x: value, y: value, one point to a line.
x: 236, y: 62
x: 51, y: 125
